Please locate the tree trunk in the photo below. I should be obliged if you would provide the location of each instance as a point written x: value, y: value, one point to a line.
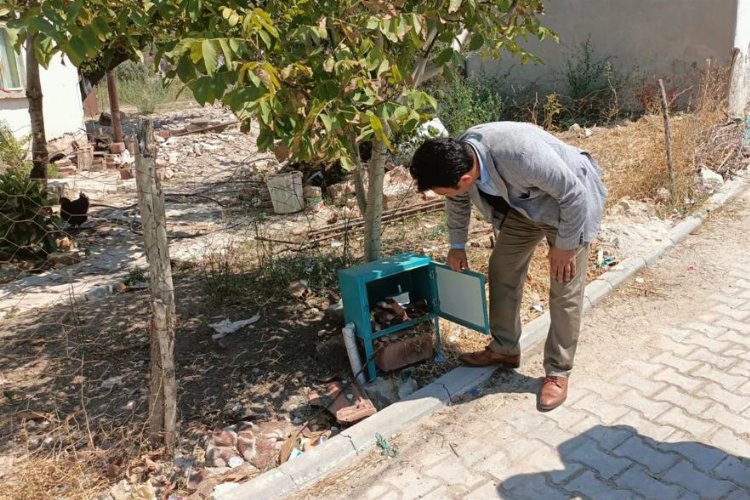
x: 359, y: 189
x: 163, y: 386
x: 114, y: 106
x: 373, y: 217
x: 39, y: 154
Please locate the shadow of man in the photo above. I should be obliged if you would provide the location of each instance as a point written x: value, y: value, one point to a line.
x: 609, y: 462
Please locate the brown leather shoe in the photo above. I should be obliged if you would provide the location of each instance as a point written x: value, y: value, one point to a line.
x: 554, y: 392
x: 488, y: 357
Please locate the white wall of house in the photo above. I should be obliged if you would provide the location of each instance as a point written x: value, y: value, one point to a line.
x: 653, y: 37
x: 63, y: 109
x: 739, y: 94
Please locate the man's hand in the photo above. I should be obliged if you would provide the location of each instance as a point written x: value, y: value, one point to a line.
x: 562, y: 264
x: 457, y: 259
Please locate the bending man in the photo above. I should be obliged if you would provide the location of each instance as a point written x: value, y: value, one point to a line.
x: 529, y: 185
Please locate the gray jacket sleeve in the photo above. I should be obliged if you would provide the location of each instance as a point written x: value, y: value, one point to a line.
x: 542, y: 167
x: 458, y: 211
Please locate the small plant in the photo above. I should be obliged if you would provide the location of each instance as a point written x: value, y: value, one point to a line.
x: 136, y: 275
x: 139, y: 86
x: 593, y: 87
x: 27, y: 224
x: 132, y: 72
x: 552, y: 109
x: 13, y: 151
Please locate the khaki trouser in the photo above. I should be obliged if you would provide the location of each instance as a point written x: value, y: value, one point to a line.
x: 509, y: 264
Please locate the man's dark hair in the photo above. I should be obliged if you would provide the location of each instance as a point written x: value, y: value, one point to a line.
x: 440, y: 163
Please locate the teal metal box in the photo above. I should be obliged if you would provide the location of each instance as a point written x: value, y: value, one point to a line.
x: 458, y: 297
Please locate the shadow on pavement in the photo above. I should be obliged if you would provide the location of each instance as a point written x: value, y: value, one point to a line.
x: 618, y: 462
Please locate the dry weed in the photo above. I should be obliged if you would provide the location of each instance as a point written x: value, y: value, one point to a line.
x: 634, y: 159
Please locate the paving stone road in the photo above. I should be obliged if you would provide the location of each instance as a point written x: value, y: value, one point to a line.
x: 659, y: 403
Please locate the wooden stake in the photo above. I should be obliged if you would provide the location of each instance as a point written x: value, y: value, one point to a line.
x: 668, y: 135
x: 114, y: 106
x: 163, y: 386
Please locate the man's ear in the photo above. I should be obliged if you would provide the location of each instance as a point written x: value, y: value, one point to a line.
x: 465, y: 180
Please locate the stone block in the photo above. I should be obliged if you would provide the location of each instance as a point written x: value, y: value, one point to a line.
x: 397, y: 353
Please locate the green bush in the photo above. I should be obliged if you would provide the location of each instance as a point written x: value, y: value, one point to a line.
x: 466, y: 102
x: 13, y: 152
x: 27, y: 224
x: 139, y: 86
x: 595, y: 88
x: 133, y: 72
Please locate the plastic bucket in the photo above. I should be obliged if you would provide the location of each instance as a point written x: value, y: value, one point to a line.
x: 286, y: 192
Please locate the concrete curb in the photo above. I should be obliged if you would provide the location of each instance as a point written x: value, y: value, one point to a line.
x: 359, y: 439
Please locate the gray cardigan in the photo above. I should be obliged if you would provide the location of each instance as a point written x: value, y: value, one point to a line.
x: 540, y: 176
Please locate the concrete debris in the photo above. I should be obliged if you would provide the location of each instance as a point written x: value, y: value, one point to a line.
x: 256, y: 444
x: 663, y: 195
x: 382, y: 391
x: 708, y: 181
x: 431, y: 129
x: 340, y: 192
x: 406, y: 384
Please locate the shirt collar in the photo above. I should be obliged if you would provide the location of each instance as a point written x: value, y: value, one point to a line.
x: 483, y: 175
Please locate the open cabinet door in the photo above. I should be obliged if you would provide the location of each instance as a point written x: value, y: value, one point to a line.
x: 461, y: 298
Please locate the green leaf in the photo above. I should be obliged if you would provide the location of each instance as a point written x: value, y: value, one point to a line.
x: 327, y: 122
x: 266, y: 38
x: 209, y: 54
x: 477, y: 41
x: 444, y: 56
x: 203, y: 90
x: 377, y: 126
x: 89, y: 37
x: 401, y: 112
x: 346, y: 162
x: 226, y: 50
x: 76, y: 51
x: 265, y: 140
x: 384, y: 66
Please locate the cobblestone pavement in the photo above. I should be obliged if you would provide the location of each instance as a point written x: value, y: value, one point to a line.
x: 659, y: 403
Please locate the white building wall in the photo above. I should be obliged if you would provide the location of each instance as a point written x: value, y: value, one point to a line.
x: 655, y: 37
x: 63, y: 109
x: 739, y: 93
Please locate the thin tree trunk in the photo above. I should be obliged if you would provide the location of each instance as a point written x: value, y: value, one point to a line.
x: 163, y: 386
x: 39, y: 154
x: 373, y: 217
x: 114, y: 106
x: 668, y: 136
x: 359, y: 189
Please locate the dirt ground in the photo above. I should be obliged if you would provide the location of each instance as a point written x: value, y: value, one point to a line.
x: 663, y: 296
x: 75, y: 377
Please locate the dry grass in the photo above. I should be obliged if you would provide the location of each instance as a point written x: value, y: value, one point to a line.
x: 633, y: 156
